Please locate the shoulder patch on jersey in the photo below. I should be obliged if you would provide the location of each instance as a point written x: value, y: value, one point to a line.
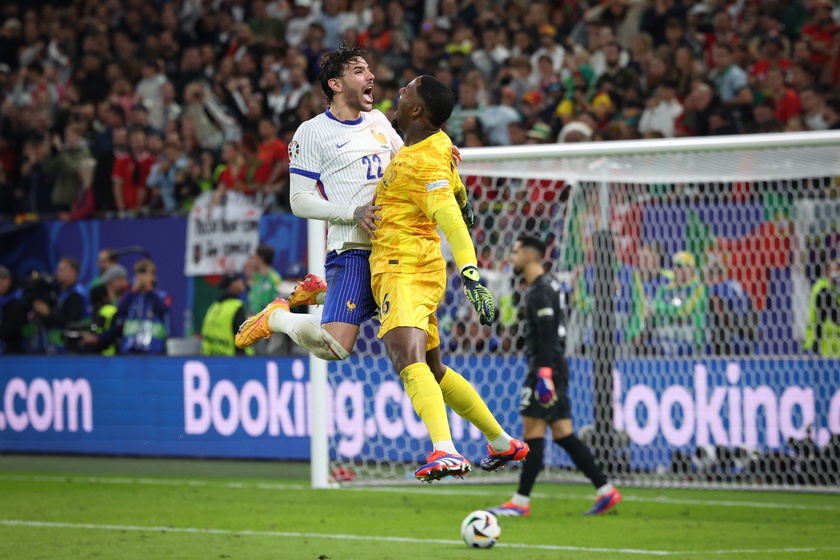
x: 294, y: 149
x: 434, y: 185
x: 545, y: 312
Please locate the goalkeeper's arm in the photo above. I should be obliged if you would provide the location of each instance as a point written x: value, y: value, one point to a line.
x: 450, y: 221
x: 463, y: 201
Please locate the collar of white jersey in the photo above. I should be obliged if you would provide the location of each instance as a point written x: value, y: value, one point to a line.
x: 333, y: 117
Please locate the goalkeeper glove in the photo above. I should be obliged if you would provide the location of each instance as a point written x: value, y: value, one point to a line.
x: 479, y: 296
x: 545, y: 387
x: 467, y: 214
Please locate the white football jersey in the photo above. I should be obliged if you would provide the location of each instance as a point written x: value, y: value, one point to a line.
x: 347, y: 159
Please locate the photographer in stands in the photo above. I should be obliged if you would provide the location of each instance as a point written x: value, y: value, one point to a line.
x: 71, y: 305
x: 142, y: 317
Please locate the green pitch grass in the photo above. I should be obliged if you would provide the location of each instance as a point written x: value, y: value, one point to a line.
x: 65, y: 507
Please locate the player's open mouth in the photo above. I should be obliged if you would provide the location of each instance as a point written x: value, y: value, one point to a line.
x: 367, y: 93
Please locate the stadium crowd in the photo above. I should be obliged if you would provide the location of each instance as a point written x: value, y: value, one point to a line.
x: 135, y: 107
x: 131, y: 108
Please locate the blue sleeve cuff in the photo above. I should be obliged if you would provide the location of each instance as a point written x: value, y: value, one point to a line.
x: 309, y: 174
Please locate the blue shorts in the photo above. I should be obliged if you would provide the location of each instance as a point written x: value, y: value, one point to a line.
x: 349, y: 296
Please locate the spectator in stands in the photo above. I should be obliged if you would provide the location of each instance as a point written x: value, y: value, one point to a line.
x: 655, y: 19
x: 72, y: 305
x: 165, y: 176
x: 813, y: 108
x: 223, y: 318
x: 732, y: 319
x: 469, y: 105
x: 730, y: 80
x: 763, y: 118
x: 84, y: 206
x: 615, y: 76
x: 12, y: 314
x: 35, y: 186
x: 773, y: 57
x: 662, y: 110
x: 677, y: 317
x: 142, y: 318
x: 267, y: 29
x: 822, y: 334
x: 698, y: 106
x: 818, y: 33
x: 722, y: 33
x: 163, y: 109
x: 131, y: 193
x: 722, y: 122
x: 540, y: 133
x: 787, y: 104
x: 652, y: 277
x: 831, y: 113
x: 64, y: 163
x: 575, y: 131
x: 208, y: 132
x: 274, y: 153
x: 499, y: 115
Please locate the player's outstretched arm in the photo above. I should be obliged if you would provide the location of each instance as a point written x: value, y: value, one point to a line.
x: 307, y: 202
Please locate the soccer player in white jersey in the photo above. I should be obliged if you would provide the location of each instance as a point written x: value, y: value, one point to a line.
x: 335, y: 160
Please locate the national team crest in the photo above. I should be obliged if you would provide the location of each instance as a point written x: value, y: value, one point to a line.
x: 294, y: 149
x: 381, y: 138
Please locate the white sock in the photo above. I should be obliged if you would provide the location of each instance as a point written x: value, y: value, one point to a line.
x: 446, y: 446
x: 604, y: 490
x: 307, y: 333
x: 321, y: 298
x: 501, y: 443
x: 521, y: 500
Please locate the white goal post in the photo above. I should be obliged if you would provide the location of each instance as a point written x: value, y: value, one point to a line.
x: 689, y: 265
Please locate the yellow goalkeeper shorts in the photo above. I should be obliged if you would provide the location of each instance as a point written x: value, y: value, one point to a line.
x: 410, y: 300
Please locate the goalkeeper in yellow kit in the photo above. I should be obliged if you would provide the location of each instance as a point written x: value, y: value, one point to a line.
x: 417, y: 194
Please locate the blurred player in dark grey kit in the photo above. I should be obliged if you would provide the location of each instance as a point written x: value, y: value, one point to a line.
x: 545, y: 399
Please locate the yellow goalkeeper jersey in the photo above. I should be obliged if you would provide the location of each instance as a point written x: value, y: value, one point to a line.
x: 419, y: 181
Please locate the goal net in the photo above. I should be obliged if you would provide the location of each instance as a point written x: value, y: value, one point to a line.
x: 697, y: 354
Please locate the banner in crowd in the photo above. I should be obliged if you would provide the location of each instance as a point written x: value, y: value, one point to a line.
x: 221, y: 237
x: 259, y: 408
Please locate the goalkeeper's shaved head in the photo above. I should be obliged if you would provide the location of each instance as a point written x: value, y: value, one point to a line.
x: 438, y: 99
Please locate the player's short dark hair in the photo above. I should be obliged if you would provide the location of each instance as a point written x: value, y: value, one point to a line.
x: 334, y: 63
x: 532, y: 243
x: 438, y: 99
x: 266, y: 253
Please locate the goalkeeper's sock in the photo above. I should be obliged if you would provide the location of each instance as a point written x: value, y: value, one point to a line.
x: 461, y: 397
x: 307, y: 333
x: 520, y: 500
x: 446, y: 446
x: 582, y: 458
x: 530, y: 468
x: 604, y: 490
x: 427, y: 400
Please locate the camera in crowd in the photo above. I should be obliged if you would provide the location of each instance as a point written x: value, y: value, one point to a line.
x: 41, y: 287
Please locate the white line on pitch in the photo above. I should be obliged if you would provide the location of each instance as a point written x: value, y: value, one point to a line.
x: 291, y: 534
x: 445, y: 489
